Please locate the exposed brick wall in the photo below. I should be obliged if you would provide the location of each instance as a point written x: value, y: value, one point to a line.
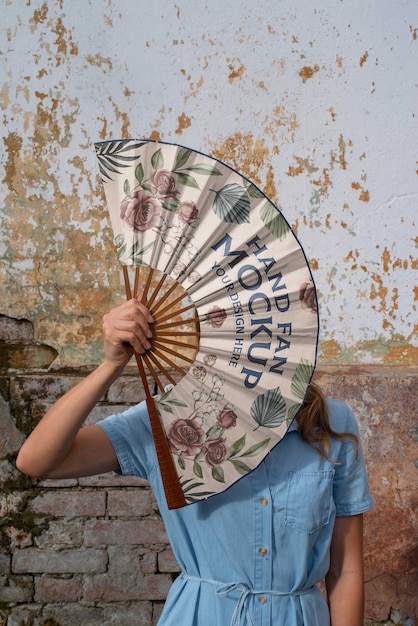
x: 94, y: 551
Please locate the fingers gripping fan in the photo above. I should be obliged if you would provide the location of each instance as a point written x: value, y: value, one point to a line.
x: 234, y: 304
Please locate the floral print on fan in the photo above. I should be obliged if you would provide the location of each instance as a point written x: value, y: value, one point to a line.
x: 191, y: 441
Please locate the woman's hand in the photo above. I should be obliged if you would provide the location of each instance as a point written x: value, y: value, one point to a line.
x: 126, y: 329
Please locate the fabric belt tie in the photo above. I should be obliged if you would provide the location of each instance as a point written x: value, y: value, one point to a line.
x: 242, y: 607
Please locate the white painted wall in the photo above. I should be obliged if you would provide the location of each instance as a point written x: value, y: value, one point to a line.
x: 324, y: 90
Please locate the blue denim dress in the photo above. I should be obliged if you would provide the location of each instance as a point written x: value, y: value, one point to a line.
x: 253, y: 555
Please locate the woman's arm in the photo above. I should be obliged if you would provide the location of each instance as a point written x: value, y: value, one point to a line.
x: 345, y: 578
x: 59, y: 447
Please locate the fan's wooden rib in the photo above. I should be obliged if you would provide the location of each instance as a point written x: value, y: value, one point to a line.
x: 159, y: 320
x: 162, y: 368
x: 163, y: 298
x: 181, y: 344
x: 173, y: 325
x: 160, y: 355
x: 127, y: 282
x: 147, y: 285
x: 179, y: 355
x: 153, y: 372
x: 136, y: 283
x: 170, y: 305
x: 162, y: 332
x: 172, y: 488
x: 156, y: 291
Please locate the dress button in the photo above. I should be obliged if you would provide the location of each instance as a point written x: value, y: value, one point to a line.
x: 262, y: 599
x: 263, y: 551
x: 264, y: 501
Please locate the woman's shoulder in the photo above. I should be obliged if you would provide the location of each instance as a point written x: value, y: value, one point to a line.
x: 341, y: 417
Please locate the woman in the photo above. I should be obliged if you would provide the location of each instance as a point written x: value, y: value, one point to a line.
x: 254, y: 554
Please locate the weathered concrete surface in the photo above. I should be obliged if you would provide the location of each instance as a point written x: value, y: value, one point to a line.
x: 317, y: 103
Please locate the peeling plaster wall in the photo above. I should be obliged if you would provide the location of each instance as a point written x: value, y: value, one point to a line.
x: 315, y: 102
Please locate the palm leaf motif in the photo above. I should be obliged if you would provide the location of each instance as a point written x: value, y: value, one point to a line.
x: 301, y: 378
x: 274, y: 221
x: 269, y: 409
x: 291, y: 414
x: 232, y: 204
x: 112, y: 157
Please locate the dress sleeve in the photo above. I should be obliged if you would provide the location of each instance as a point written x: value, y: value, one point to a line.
x: 351, y: 486
x: 130, y: 435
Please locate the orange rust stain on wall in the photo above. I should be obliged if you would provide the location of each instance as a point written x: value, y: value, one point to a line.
x: 235, y: 71
x: 39, y: 16
x: 352, y: 256
x: 248, y: 156
x: 363, y: 59
x: 13, y: 143
x: 183, y: 122
x: 303, y: 165
x: 414, y: 33
x: 155, y: 136
x: 98, y: 60
x: 378, y: 292
x: 330, y: 350
x: 364, y: 194
x: 307, y: 72
x: 340, y: 157
x: 333, y: 114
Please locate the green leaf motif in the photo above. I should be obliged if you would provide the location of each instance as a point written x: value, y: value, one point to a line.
x: 214, y: 431
x: 119, y: 240
x: 139, y: 173
x: 292, y: 413
x: 182, y: 157
x: 232, y: 204
x: 218, y: 474
x: 121, y: 251
x: 301, y: 378
x: 197, y: 469
x: 112, y: 156
x: 157, y: 160
x: 253, y: 191
x: 269, y: 409
x: 126, y: 187
x: 136, y: 254
x: 204, y: 169
x: 181, y: 462
x: 242, y: 468
x: 236, y: 447
x: 186, y: 180
x: 274, y: 221
x: 175, y: 402
x: 172, y: 205
x: 256, y: 448
x: 165, y: 407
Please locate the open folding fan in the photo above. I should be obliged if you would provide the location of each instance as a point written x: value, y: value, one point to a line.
x: 236, y: 325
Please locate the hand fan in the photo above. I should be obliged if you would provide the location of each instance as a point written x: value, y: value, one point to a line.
x: 236, y: 326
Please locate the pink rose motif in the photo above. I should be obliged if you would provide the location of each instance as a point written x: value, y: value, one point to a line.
x: 307, y: 297
x: 227, y: 418
x: 163, y: 184
x: 141, y: 211
x: 215, y: 451
x: 188, y: 212
x: 185, y: 436
x: 216, y: 317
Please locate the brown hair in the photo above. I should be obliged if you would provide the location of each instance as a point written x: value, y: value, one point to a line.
x: 313, y: 423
